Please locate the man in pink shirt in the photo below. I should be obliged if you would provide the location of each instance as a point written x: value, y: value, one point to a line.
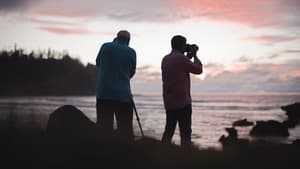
x: 176, y: 68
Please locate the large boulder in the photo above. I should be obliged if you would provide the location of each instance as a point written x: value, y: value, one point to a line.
x: 232, y: 139
x: 292, y: 110
x: 67, y: 122
x: 291, y: 123
x: 232, y: 136
x: 269, y: 128
x: 296, y: 142
x: 242, y: 123
x: 293, y: 113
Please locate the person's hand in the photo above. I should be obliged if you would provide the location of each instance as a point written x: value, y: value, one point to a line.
x: 194, y: 50
x: 190, y: 55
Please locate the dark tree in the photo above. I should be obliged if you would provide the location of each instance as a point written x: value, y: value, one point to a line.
x: 44, y: 73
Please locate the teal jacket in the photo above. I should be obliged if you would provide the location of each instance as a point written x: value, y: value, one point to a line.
x: 117, y: 64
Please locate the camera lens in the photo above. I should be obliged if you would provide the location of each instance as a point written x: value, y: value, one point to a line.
x: 188, y: 48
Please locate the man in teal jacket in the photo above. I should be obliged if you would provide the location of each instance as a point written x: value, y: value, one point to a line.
x: 117, y: 64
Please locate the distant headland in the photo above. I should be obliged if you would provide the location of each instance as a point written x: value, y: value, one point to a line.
x: 44, y: 73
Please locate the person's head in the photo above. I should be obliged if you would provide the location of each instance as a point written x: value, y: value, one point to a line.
x: 178, y: 42
x: 123, y: 36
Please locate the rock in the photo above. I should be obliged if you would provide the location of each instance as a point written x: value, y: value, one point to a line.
x: 242, y: 123
x: 232, y: 135
x: 67, y: 122
x: 293, y: 113
x: 296, y: 142
x: 291, y: 123
x: 269, y: 128
x: 232, y: 132
x: 232, y: 139
x: 292, y: 110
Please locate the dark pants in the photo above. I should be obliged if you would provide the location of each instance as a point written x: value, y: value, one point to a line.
x: 106, y: 109
x: 183, y: 116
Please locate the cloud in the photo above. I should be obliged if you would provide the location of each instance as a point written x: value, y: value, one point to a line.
x: 245, y: 59
x: 12, y: 5
x: 256, y: 78
x: 270, y: 39
x: 287, y: 54
x: 146, y: 80
x: 247, y: 12
x: 48, y: 21
x: 292, y: 51
x: 253, y: 78
x: 295, y: 73
x: 146, y: 73
x: 65, y: 30
x: 129, y: 10
x: 273, y: 56
x: 58, y: 26
x: 64, y: 11
x: 212, y: 70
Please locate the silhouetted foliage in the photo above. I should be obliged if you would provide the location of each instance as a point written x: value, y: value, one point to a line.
x: 44, y: 73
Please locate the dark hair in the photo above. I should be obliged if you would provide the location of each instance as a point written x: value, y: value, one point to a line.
x: 178, y: 41
x: 124, y: 39
x: 124, y: 35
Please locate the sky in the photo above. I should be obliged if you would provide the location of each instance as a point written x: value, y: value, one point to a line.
x: 244, y: 45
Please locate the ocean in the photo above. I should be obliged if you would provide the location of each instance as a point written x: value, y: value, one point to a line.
x: 212, y: 113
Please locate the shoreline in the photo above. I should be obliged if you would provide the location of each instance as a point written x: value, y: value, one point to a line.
x: 216, y: 93
x: 34, y: 111
x: 66, y: 144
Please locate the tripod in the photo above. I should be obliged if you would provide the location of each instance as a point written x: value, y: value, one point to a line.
x: 137, y: 118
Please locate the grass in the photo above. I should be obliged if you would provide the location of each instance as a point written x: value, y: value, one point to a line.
x: 40, y: 151
x: 73, y: 141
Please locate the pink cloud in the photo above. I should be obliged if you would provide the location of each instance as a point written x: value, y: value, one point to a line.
x: 238, y: 67
x: 269, y: 39
x: 56, y: 12
x: 145, y: 74
x: 272, y: 68
x: 291, y: 74
x: 253, y: 13
x: 64, y: 30
x: 240, y: 78
x: 64, y: 26
x: 295, y: 73
x: 263, y: 77
x: 213, y: 70
x: 40, y: 21
x: 58, y: 26
x: 247, y: 12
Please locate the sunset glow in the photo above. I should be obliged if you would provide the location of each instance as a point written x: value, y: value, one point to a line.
x: 241, y: 39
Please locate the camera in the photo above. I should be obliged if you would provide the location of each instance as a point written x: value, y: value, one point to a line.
x: 191, y: 48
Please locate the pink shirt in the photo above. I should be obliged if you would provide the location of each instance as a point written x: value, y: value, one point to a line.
x: 176, y: 69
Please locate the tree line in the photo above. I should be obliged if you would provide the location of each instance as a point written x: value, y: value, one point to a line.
x: 44, y: 73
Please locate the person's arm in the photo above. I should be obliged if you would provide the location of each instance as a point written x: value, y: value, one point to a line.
x: 99, y: 56
x: 133, y: 65
x: 193, y: 67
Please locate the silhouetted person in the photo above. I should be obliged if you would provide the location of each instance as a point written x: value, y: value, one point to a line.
x: 117, y: 64
x: 176, y: 68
